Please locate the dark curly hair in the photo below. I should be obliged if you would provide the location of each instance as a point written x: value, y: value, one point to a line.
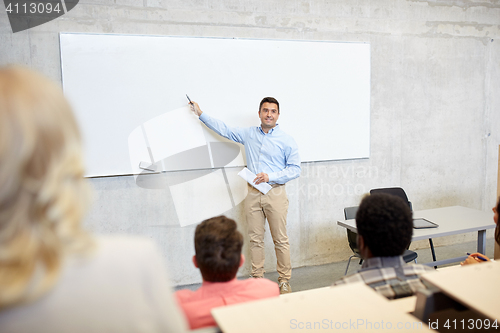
x: 386, y: 224
x: 218, y: 244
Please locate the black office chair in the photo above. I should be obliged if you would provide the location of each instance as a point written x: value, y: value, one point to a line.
x: 349, y: 214
x: 399, y: 192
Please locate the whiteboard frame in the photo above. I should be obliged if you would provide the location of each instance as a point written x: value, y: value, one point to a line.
x: 212, y: 137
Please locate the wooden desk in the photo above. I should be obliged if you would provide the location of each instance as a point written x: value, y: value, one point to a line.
x: 345, y: 307
x: 452, y: 221
x: 406, y: 304
x: 475, y: 286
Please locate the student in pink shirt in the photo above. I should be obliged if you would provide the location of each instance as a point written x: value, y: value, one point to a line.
x: 218, y: 255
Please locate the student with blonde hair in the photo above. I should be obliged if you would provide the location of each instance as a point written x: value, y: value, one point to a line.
x: 54, y: 276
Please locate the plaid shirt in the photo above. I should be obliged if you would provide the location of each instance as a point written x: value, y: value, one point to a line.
x: 380, y: 274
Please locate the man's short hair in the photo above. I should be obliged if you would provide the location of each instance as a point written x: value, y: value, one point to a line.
x: 218, y: 244
x: 270, y: 100
x: 386, y: 224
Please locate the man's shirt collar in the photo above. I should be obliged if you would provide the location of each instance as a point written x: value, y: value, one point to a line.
x: 270, y: 131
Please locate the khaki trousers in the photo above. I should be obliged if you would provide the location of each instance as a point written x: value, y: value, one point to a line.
x: 274, y: 207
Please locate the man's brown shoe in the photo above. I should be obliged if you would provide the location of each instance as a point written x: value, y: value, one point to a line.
x: 285, y: 287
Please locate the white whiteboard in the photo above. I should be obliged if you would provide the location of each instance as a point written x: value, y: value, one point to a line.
x: 123, y: 87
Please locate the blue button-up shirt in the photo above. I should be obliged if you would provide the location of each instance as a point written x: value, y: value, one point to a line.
x: 274, y: 153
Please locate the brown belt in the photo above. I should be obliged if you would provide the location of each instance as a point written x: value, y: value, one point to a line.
x: 272, y: 185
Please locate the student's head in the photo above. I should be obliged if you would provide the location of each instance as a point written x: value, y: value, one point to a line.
x: 385, y: 224
x: 42, y: 191
x: 218, y: 244
x: 269, y: 112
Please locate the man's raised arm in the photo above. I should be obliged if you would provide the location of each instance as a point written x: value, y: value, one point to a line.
x: 235, y: 134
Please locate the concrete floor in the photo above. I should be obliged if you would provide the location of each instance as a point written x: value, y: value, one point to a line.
x: 310, y: 277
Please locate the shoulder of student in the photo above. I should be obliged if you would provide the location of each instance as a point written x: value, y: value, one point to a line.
x: 412, y: 268
x: 263, y: 284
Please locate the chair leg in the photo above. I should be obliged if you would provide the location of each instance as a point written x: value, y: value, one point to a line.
x: 432, y: 250
x: 348, y: 263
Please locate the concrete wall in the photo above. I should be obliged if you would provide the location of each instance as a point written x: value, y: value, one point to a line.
x: 434, y: 109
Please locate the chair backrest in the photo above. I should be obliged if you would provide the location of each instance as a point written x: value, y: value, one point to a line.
x: 349, y: 214
x: 397, y: 191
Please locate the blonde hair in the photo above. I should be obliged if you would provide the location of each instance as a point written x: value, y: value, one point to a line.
x: 43, y: 194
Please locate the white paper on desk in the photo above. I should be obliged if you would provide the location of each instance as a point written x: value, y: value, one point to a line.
x: 249, y: 176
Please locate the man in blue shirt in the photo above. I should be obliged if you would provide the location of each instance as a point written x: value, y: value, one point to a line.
x: 273, y: 156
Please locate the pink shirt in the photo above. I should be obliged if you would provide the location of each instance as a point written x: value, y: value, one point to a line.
x: 197, y: 304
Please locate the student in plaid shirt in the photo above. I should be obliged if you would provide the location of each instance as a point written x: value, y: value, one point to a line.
x: 385, y: 227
